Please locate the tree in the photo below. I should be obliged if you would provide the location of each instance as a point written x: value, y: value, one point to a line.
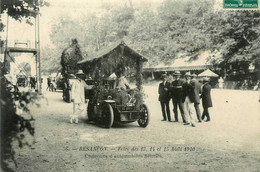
x: 175, y: 29
x: 15, y: 114
x: 20, y: 9
x: 237, y: 35
x: 50, y: 59
x: 69, y: 58
x: 144, y: 35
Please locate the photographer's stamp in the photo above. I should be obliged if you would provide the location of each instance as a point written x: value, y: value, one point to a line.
x: 240, y: 4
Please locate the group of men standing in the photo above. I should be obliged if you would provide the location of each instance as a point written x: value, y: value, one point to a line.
x: 185, y: 95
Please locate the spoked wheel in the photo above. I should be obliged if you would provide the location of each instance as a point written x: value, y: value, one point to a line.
x: 144, y: 120
x: 108, y: 115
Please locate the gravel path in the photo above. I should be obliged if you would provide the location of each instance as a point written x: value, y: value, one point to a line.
x: 230, y: 142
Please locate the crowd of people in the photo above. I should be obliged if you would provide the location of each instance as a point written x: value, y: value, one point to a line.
x: 51, y: 84
x: 185, y: 94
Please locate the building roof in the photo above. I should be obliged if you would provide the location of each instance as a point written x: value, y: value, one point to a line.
x: 117, y: 58
x: 110, y: 49
x: 183, y: 64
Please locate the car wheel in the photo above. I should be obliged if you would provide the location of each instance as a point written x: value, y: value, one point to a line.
x: 108, y: 115
x: 90, y: 111
x: 145, y: 117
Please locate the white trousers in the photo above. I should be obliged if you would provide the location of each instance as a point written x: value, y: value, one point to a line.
x: 189, y: 110
x: 78, y: 109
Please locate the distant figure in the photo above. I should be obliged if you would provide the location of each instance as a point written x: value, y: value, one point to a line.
x: 53, y: 85
x: 32, y: 82
x: 48, y: 83
x: 164, y: 97
x: 206, y: 99
x: 244, y: 85
x: 257, y: 85
x: 220, y: 83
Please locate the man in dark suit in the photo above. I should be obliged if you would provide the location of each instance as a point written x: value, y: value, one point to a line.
x: 176, y: 95
x: 188, y: 100
x: 164, y: 97
x: 197, y: 91
x: 206, y: 99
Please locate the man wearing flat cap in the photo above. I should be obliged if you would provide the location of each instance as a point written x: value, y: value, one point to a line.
x: 197, y: 92
x: 176, y: 95
x: 206, y: 99
x: 164, y: 97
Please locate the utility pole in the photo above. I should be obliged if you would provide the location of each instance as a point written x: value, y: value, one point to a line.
x: 37, y: 47
x: 6, y: 42
x: 39, y: 53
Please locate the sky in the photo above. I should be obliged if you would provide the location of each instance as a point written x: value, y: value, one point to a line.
x: 57, y: 8
x: 50, y: 15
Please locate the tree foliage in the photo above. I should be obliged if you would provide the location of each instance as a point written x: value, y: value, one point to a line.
x: 237, y: 35
x: 69, y: 58
x: 19, y: 9
x: 16, y: 119
x: 174, y: 30
x: 17, y: 123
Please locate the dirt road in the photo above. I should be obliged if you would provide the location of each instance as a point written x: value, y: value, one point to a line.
x: 230, y: 142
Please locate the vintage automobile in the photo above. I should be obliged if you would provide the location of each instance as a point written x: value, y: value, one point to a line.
x: 109, y: 104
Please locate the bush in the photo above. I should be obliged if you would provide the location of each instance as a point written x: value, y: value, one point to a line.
x: 16, y: 120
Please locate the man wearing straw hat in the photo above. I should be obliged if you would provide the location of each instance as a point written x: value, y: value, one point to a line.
x: 188, y: 99
x: 78, y: 96
x: 176, y: 95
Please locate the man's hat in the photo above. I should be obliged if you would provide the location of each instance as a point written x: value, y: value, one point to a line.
x: 80, y: 72
x: 71, y: 76
x: 164, y: 75
x: 194, y: 75
x: 206, y: 79
x: 187, y: 74
x: 177, y: 73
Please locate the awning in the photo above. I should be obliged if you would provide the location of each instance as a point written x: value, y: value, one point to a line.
x: 208, y: 73
x: 181, y: 68
x: 22, y: 50
x: 183, y: 64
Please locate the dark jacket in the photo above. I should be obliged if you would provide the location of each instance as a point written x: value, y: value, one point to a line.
x: 176, y: 91
x: 206, y: 97
x: 188, y: 90
x: 197, y: 90
x: 163, y: 94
